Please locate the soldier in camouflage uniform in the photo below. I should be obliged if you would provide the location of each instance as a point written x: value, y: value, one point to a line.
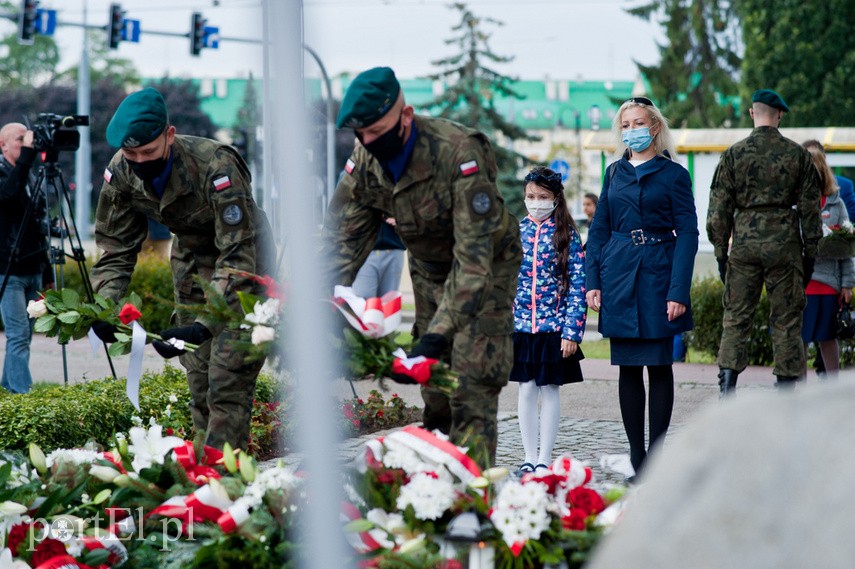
x: 765, y: 195
x: 201, y: 190
x: 438, y: 180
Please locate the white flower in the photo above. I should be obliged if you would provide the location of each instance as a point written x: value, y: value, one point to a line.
x: 168, y: 411
x: 8, y: 508
x: 261, y: 334
x: 826, y: 230
x: 520, y: 511
x: 36, y: 308
x: 402, y: 456
x: 103, y: 473
x: 6, y: 561
x: 173, y: 398
x: 136, y: 420
x: 848, y: 226
x: 74, y: 546
x: 265, y: 313
x: 74, y: 456
x: 430, y: 497
x: 150, y: 447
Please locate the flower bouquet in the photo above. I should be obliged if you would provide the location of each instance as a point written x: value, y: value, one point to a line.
x: 372, y: 351
x: 409, y: 488
x: 837, y: 241
x: 151, y: 501
x: 63, y: 314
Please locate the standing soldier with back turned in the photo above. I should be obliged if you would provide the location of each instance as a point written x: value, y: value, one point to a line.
x: 438, y: 180
x: 765, y: 195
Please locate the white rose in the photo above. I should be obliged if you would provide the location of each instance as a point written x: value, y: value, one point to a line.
x: 36, y: 308
x: 261, y: 334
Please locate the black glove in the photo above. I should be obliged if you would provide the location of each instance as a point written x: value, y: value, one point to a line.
x: 807, y: 266
x: 105, y: 331
x: 722, y: 267
x: 430, y: 346
x: 194, y: 334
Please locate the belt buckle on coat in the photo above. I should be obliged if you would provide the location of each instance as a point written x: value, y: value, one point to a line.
x: 638, y: 237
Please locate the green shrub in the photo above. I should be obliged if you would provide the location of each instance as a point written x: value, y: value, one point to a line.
x: 69, y: 416
x: 707, y: 312
x: 152, y: 280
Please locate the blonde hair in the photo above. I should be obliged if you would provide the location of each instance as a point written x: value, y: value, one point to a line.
x: 826, y: 176
x: 661, y: 142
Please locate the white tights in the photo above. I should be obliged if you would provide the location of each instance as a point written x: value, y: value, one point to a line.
x: 550, y: 412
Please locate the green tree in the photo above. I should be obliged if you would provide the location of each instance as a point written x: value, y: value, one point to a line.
x: 471, y: 93
x: 695, y: 81
x: 103, y: 64
x: 30, y: 65
x: 806, y: 52
x: 248, y: 122
x: 185, y: 107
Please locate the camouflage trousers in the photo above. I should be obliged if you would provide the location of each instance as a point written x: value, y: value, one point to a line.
x: 749, y: 267
x: 222, y: 386
x: 482, y: 354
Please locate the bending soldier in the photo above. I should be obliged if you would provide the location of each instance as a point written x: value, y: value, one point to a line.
x: 438, y: 180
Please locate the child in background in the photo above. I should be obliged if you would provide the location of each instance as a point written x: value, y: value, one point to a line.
x: 549, y: 313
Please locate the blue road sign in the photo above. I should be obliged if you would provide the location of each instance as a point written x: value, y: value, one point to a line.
x: 131, y: 30
x: 562, y: 167
x: 45, y: 22
x: 212, y: 37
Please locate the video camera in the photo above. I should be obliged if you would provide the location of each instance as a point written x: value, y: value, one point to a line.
x: 58, y: 133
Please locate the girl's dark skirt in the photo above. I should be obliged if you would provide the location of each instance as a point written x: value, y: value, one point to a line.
x: 538, y: 357
x: 642, y: 351
x: 820, y: 318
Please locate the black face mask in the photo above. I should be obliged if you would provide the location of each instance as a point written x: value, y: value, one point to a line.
x: 147, y: 171
x: 150, y: 169
x: 388, y: 145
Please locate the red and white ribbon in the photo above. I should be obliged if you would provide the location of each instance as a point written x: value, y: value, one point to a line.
x: 208, y: 502
x: 439, y: 451
x: 60, y: 562
x: 362, y: 541
x: 372, y: 317
x: 233, y: 517
x: 112, y: 543
x: 418, y: 368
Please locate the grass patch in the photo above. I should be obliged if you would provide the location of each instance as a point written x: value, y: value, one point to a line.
x: 601, y: 350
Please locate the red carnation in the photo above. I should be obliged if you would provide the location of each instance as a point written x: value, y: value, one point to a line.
x: 47, y: 550
x: 129, y: 313
x: 575, y: 520
x: 17, y: 535
x: 586, y: 499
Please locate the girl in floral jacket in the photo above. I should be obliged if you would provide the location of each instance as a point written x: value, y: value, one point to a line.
x: 549, y: 313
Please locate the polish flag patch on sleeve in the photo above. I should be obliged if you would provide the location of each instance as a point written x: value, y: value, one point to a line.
x: 107, y: 175
x: 222, y: 183
x: 349, y: 166
x: 469, y: 168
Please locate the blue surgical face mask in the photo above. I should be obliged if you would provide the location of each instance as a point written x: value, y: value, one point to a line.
x: 638, y: 139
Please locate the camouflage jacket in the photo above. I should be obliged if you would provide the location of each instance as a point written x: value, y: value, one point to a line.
x: 449, y: 215
x: 765, y: 189
x: 207, y: 203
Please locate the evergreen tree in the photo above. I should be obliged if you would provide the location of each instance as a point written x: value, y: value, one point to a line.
x: 248, y: 122
x: 695, y: 81
x: 469, y: 97
x: 806, y: 52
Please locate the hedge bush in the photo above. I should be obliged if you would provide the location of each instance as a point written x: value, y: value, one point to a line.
x: 152, y: 280
x: 708, y: 311
x: 70, y: 416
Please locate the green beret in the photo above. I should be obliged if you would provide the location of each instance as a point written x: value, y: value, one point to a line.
x: 140, y: 118
x: 771, y: 98
x: 370, y: 96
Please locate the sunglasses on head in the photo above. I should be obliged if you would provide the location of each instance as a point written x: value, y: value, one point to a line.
x: 540, y: 177
x: 640, y: 101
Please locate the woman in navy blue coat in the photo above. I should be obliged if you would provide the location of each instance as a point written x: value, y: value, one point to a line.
x: 640, y: 257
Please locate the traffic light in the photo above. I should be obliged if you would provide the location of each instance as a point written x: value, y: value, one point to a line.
x: 114, y: 27
x: 197, y: 33
x: 27, y: 22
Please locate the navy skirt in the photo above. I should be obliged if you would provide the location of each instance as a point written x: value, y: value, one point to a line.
x: 642, y: 351
x: 820, y: 318
x: 538, y: 357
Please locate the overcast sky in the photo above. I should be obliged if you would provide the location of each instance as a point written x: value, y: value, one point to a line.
x: 566, y: 39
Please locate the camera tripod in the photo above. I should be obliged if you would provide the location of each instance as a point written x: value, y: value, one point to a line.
x: 49, y: 180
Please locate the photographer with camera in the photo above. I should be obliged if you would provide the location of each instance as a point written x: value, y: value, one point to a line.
x: 23, y: 251
x: 200, y: 189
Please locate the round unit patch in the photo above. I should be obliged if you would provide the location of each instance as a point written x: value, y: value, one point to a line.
x: 481, y: 203
x: 232, y: 214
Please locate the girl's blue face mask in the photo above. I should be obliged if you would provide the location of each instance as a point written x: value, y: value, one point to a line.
x: 637, y: 139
